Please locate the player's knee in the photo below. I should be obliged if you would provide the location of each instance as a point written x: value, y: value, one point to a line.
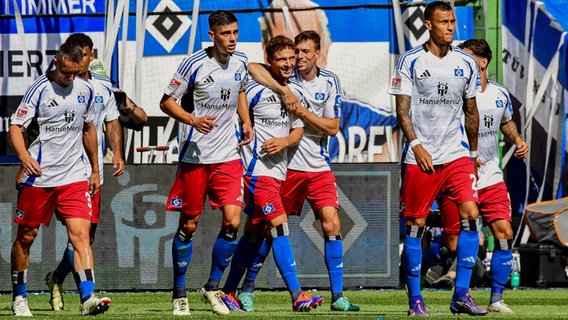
x: 468, y: 211
x: 331, y: 226
x: 232, y: 225
x: 27, y: 237
x: 189, y: 226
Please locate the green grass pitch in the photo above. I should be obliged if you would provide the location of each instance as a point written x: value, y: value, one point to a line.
x: 375, y: 304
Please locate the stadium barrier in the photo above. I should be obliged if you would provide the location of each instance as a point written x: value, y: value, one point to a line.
x: 133, y: 242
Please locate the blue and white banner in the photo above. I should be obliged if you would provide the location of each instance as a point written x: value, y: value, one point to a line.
x: 358, y: 45
x: 533, y: 52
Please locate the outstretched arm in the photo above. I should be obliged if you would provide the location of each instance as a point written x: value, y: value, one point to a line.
x: 423, y: 158
x: 132, y: 113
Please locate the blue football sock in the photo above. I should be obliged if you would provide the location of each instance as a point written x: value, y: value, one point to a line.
x: 182, y: 250
x: 254, y: 269
x: 431, y: 256
x: 19, y: 283
x: 86, y: 286
x: 247, y: 249
x: 500, y: 270
x: 468, y: 245
x: 223, y: 250
x: 333, y: 251
x: 284, y: 257
x: 66, y: 265
x: 412, y: 255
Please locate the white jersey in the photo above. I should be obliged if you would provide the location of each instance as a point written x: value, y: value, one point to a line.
x: 210, y: 89
x: 437, y: 87
x: 270, y: 119
x: 54, y: 117
x: 105, y: 110
x: 323, y: 98
x: 495, y: 108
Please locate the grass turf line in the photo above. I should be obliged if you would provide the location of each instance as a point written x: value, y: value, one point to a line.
x: 375, y: 304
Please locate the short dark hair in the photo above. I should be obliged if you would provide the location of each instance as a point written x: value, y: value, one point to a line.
x: 479, y: 47
x: 433, y: 6
x: 308, y: 35
x: 221, y: 18
x: 81, y: 39
x: 70, y: 51
x: 278, y: 43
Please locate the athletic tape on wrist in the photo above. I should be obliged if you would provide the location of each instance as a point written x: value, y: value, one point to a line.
x: 414, y: 143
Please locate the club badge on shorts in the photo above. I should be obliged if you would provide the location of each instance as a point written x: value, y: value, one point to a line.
x: 267, y: 208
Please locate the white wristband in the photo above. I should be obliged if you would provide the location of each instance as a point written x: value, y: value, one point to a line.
x: 473, y: 154
x: 414, y: 143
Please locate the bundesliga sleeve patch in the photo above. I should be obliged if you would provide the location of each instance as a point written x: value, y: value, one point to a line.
x: 395, y: 83
x: 21, y: 114
x: 174, y: 84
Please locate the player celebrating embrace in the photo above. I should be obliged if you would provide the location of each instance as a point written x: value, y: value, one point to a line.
x: 265, y: 161
x: 210, y: 84
x: 309, y: 175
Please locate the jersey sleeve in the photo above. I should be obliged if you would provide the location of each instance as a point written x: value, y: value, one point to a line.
x: 474, y: 83
x: 90, y: 115
x: 111, y: 107
x: 401, y: 80
x: 508, y: 112
x: 26, y: 110
x: 295, y: 121
x: 244, y: 74
x: 180, y: 82
x: 332, y: 109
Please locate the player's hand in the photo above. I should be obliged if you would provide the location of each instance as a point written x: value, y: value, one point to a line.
x: 204, y: 124
x: 248, y: 134
x: 423, y: 159
x: 31, y: 167
x: 476, y: 164
x: 94, y: 183
x: 274, y: 145
x: 522, y: 150
x: 299, y: 110
x: 19, y: 176
x: 290, y: 100
x: 118, y: 164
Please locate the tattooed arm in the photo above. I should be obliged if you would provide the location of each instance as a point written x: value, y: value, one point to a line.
x: 471, y: 122
x: 423, y: 158
x: 472, y: 127
x: 509, y: 130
